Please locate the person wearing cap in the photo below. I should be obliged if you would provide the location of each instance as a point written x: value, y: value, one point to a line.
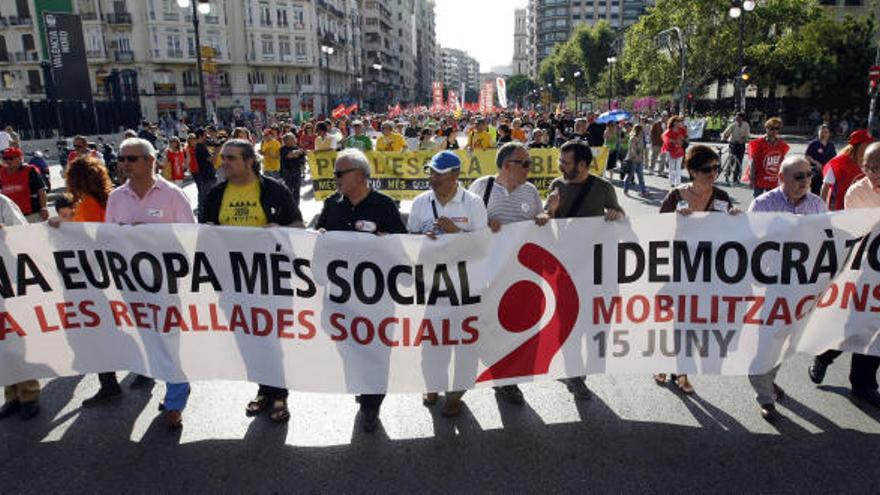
x: 479, y: 137
x: 446, y: 208
x: 842, y: 170
x: 767, y: 154
x: 863, y: 193
x: 24, y: 185
x: 270, y: 149
x: 358, y: 139
x: 356, y: 207
x: 22, y: 398
x: 390, y: 140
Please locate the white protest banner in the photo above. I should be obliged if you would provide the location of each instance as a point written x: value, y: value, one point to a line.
x: 501, y: 87
x: 349, y: 312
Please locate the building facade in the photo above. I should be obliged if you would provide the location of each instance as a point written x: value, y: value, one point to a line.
x: 262, y: 56
x: 520, y: 61
x: 458, y: 69
x: 550, y: 22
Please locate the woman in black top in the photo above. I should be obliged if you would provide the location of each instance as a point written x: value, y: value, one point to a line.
x: 451, y: 141
x: 700, y: 194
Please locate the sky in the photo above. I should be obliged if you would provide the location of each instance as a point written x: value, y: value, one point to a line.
x: 483, y: 28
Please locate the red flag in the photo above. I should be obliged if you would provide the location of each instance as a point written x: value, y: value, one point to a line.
x: 339, y: 111
x: 353, y: 108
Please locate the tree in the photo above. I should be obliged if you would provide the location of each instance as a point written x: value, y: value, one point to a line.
x: 518, y: 87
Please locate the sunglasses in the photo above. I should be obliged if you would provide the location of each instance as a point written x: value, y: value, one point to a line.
x: 800, y: 177
x: 341, y: 173
x: 522, y: 163
x: 130, y: 158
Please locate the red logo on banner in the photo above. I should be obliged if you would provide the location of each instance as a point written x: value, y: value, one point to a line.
x: 522, y: 307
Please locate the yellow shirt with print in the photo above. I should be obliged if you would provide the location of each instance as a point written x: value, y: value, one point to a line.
x: 215, y: 153
x: 241, y: 206
x: 271, y: 151
x: 480, y: 140
x: 392, y: 142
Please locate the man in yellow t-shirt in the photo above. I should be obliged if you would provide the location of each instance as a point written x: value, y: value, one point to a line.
x: 479, y: 138
x: 390, y: 140
x: 270, y: 148
x: 248, y: 199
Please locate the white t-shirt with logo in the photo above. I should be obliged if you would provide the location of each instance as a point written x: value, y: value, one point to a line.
x: 465, y: 209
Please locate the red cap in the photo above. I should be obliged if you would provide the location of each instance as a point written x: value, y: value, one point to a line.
x: 12, y: 153
x: 860, y: 136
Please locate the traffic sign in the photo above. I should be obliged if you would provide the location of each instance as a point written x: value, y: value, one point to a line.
x: 874, y: 73
x: 209, y: 67
x: 207, y: 51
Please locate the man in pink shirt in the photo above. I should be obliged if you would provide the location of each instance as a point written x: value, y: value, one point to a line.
x: 145, y: 198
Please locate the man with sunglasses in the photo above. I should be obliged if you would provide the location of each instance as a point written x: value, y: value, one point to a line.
x: 24, y: 185
x: 80, y: 148
x: 767, y: 153
x: 864, y: 193
x: 791, y: 196
x: 357, y: 207
x: 145, y: 198
x: 509, y: 198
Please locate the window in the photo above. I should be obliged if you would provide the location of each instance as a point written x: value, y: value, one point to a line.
x: 282, y: 17
x: 300, y: 46
x: 298, y: 17
x: 284, y: 46
x: 265, y: 14
x: 282, y: 78
x: 123, y: 45
x: 268, y: 44
x: 190, y: 80
x: 256, y: 78
x: 8, y: 79
x: 27, y: 41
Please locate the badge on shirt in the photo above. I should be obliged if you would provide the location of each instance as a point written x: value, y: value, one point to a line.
x: 459, y: 219
x: 154, y: 213
x: 719, y: 205
x: 365, y: 226
x: 526, y: 207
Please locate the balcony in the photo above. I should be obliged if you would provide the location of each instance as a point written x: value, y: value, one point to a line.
x: 88, y: 16
x: 191, y: 90
x: 171, y: 16
x: 30, y: 56
x: 212, y: 19
x: 95, y: 54
x: 123, y: 56
x: 283, y: 88
x: 259, y: 88
x: 175, y: 53
x: 6, y: 58
x: 20, y: 21
x: 118, y: 18
x: 34, y: 90
x: 226, y: 90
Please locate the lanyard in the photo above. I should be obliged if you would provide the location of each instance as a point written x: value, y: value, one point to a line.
x: 434, y: 209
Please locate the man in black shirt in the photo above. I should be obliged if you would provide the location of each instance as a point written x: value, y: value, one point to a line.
x: 357, y: 207
x: 595, y: 132
x: 293, y: 160
x: 206, y: 176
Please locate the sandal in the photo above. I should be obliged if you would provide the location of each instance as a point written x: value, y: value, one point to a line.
x: 681, y: 381
x: 257, y: 406
x: 660, y: 378
x: 280, y: 413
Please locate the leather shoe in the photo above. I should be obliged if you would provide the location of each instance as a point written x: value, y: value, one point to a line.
x: 777, y: 390
x: 103, y: 396
x: 9, y: 409
x: 430, y: 399
x: 817, y: 370
x: 577, y: 387
x: 768, y: 412
x: 29, y: 410
x: 174, y: 420
x: 871, y: 396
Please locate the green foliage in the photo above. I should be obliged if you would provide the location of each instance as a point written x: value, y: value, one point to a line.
x: 518, y: 86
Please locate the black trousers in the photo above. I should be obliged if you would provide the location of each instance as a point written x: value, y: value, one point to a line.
x: 108, y: 380
x: 371, y: 401
x: 862, y: 371
x: 273, y: 393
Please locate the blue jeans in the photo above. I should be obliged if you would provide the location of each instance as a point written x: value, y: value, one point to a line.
x: 176, y: 395
x: 634, y: 170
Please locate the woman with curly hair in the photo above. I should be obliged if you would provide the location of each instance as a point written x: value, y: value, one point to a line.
x: 89, y: 183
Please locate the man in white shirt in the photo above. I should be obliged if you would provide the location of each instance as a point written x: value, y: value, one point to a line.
x: 446, y: 208
x: 5, y: 139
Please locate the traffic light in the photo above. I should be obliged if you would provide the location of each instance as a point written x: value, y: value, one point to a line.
x: 873, y: 87
x: 744, y: 74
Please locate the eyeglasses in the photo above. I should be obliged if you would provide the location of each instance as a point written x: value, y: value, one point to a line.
x: 130, y: 158
x: 522, y: 163
x: 800, y: 177
x: 774, y: 128
x: 340, y: 173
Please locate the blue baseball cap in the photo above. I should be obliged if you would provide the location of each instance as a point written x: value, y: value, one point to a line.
x: 444, y: 162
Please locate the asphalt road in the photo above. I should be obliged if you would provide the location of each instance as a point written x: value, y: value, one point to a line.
x: 631, y: 437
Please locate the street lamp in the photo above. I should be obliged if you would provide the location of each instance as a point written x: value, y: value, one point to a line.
x: 327, y: 51
x: 577, y: 94
x: 737, y: 9
x: 203, y: 7
x: 378, y: 68
x: 611, y: 61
